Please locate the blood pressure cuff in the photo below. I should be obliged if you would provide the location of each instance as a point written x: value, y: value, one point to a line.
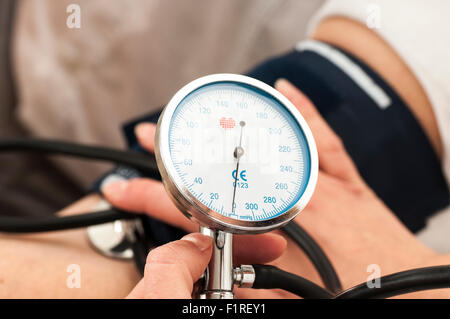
x: 382, y: 136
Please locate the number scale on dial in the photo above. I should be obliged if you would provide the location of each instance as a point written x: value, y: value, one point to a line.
x: 217, y: 121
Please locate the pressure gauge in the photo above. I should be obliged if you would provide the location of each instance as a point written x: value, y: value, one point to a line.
x: 235, y: 155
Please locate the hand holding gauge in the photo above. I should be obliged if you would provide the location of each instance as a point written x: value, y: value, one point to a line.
x: 204, y: 171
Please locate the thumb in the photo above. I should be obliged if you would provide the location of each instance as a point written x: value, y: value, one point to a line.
x: 172, y: 269
x: 333, y: 158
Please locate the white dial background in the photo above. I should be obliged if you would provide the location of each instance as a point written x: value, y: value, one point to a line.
x: 205, y: 130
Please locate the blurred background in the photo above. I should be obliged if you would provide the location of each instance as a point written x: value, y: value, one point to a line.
x: 125, y: 58
x: 76, y: 70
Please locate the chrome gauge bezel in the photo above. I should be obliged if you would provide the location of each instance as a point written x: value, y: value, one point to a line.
x: 187, y: 202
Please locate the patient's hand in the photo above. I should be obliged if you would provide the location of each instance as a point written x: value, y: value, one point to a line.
x: 346, y: 218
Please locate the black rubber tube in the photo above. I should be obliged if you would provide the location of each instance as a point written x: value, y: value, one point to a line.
x: 436, y: 277
x: 317, y: 256
x: 53, y: 223
x: 270, y: 277
x: 143, y: 162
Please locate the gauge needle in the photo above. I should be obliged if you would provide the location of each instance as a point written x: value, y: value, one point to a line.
x: 238, y: 152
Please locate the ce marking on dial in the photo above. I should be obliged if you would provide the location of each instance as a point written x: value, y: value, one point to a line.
x: 242, y: 175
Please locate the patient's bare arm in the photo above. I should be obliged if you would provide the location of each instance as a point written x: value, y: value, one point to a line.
x: 36, y: 266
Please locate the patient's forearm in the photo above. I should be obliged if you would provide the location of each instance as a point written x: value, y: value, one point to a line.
x: 36, y: 266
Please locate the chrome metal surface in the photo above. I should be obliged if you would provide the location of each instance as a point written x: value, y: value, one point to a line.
x: 219, y: 278
x: 187, y: 202
x: 244, y: 276
x: 112, y: 239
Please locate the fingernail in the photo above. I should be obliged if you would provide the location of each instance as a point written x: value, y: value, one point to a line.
x: 144, y: 130
x: 115, y: 189
x: 282, y: 82
x: 201, y: 241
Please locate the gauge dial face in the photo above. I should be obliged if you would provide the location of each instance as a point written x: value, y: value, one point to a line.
x: 239, y: 151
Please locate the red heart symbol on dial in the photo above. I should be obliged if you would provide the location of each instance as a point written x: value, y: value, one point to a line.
x: 227, y: 123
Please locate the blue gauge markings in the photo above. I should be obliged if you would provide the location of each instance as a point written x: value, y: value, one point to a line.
x: 197, y: 176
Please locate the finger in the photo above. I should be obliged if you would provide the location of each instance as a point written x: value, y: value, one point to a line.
x: 145, y: 133
x: 320, y: 207
x: 149, y: 196
x: 258, y: 249
x: 172, y: 269
x: 333, y: 157
x: 137, y: 291
x: 326, y: 188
